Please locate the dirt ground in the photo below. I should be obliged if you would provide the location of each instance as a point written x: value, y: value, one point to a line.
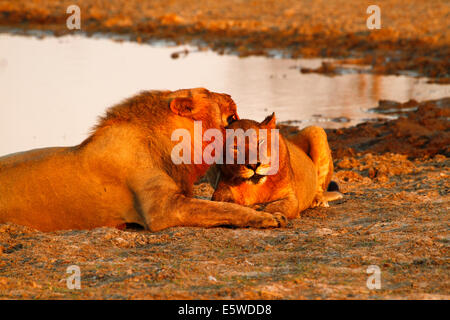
x: 395, y: 215
x: 395, y: 174
x: 414, y: 35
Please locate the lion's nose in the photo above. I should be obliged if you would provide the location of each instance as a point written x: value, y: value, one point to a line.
x: 253, y: 166
x: 232, y: 118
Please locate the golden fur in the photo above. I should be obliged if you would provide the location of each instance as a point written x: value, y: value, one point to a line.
x: 123, y: 172
x: 305, y: 170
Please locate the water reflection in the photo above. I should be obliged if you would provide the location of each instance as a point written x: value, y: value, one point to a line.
x: 53, y: 89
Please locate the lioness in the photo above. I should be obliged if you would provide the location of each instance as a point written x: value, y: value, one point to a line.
x: 304, y: 172
x: 123, y: 173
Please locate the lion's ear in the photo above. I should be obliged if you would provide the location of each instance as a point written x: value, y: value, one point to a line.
x: 184, y: 107
x: 270, y: 121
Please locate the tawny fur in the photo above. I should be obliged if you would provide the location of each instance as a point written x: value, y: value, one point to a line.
x: 123, y: 172
x: 305, y: 170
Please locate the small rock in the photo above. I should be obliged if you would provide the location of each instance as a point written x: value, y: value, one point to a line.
x: 3, y: 281
x: 425, y: 241
x: 324, y: 231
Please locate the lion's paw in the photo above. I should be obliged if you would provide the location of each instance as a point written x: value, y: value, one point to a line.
x: 282, y: 220
x: 270, y: 220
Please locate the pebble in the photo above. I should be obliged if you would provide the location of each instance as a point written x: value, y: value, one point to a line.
x: 324, y: 231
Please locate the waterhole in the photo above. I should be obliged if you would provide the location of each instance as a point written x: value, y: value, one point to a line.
x: 53, y: 89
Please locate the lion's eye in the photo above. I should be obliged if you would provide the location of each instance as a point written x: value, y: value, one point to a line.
x: 231, y: 119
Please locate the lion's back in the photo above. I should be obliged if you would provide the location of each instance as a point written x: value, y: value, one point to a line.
x: 24, y: 157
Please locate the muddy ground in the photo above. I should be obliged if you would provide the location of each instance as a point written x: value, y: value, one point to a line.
x: 395, y: 215
x: 414, y: 37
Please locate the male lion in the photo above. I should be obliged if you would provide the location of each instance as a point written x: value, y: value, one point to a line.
x: 123, y: 173
x: 304, y: 172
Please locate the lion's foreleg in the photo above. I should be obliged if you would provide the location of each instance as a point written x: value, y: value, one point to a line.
x: 204, y: 213
x: 288, y: 206
x: 223, y: 193
x: 163, y: 206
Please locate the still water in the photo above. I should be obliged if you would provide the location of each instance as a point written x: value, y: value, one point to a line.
x: 53, y: 89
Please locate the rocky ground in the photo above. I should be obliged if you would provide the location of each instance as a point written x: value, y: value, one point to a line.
x: 413, y: 37
x: 395, y: 215
x: 395, y: 175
